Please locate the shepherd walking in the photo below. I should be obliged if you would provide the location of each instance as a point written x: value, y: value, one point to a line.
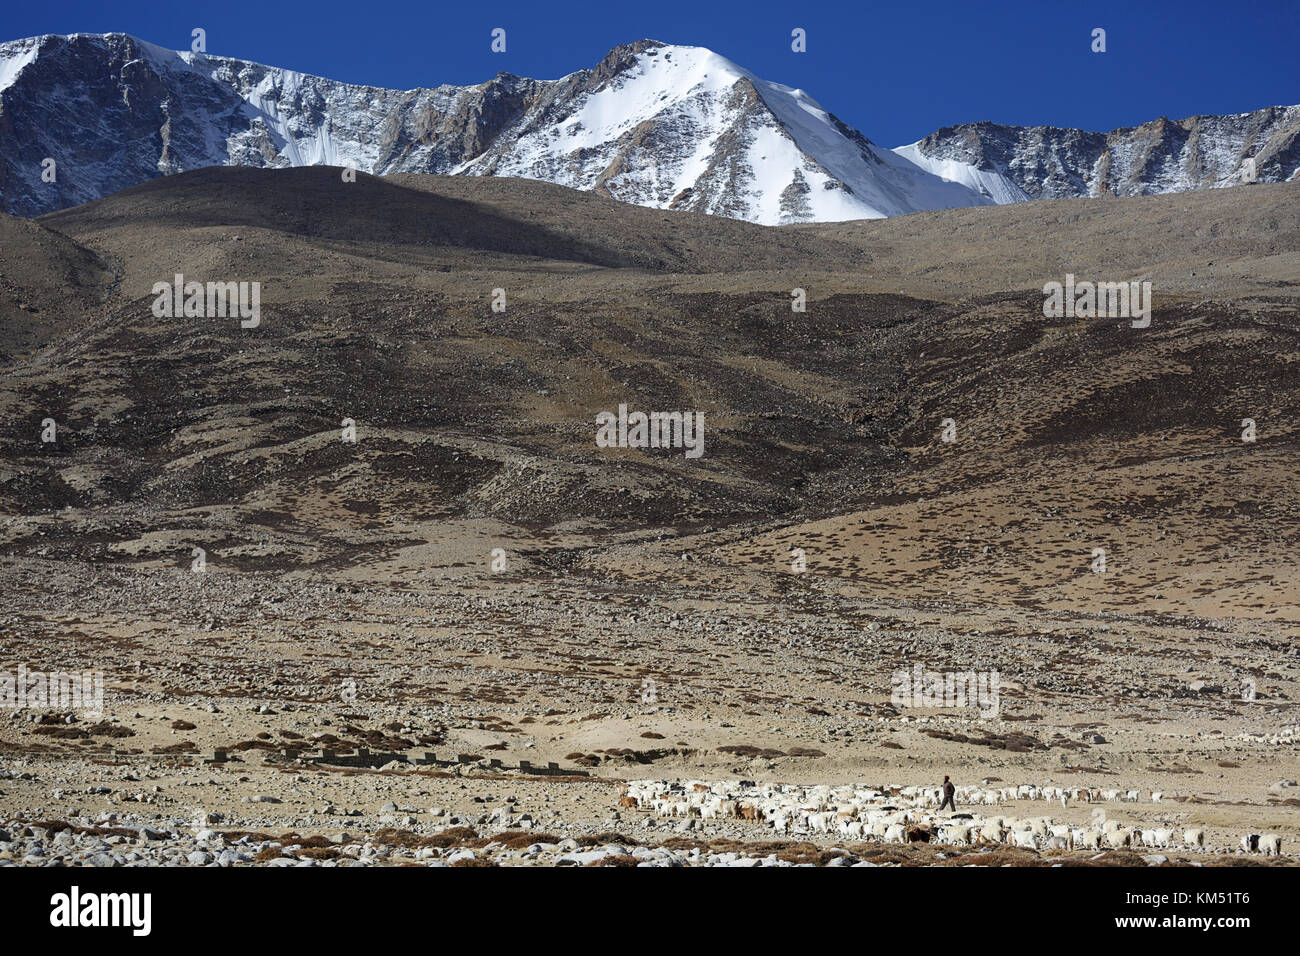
x: 948, y: 791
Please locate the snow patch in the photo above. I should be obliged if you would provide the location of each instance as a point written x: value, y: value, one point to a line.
x: 990, y: 183
x: 14, y: 56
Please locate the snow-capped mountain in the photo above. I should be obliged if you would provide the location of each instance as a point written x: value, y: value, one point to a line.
x: 657, y: 125
x: 1011, y: 163
x: 681, y: 127
x: 664, y: 126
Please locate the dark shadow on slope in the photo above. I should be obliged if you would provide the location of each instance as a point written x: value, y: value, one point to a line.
x: 315, y: 202
x: 485, y: 214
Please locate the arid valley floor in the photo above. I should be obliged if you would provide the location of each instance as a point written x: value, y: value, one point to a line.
x: 643, y: 618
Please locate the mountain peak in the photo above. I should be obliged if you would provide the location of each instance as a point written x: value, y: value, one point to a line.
x: 656, y: 124
x: 652, y: 123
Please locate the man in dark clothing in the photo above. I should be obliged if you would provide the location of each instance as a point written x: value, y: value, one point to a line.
x: 948, y: 791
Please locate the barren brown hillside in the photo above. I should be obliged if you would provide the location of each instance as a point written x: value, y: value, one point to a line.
x: 329, y: 562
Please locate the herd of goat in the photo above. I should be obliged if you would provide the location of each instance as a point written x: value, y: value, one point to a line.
x: 908, y: 814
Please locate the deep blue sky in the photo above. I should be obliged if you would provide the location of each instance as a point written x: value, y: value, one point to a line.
x: 896, y: 71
